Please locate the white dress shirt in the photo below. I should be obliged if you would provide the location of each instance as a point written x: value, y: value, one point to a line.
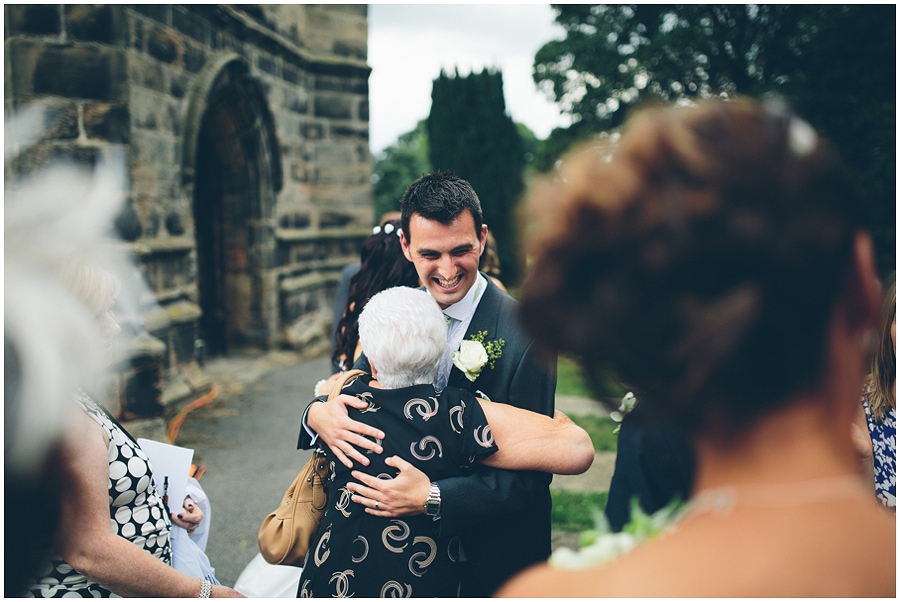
x: 460, y: 314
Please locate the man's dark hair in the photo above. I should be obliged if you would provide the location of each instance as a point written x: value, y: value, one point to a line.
x: 441, y: 196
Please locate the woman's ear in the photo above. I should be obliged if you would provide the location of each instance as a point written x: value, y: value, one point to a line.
x: 372, y: 370
x: 864, y: 289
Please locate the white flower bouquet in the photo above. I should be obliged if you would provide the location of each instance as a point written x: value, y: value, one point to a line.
x: 599, y: 545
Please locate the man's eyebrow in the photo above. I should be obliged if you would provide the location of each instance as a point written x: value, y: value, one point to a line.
x: 464, y: 247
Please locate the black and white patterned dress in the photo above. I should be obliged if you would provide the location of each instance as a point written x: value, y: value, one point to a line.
x: 364, y: 556
x: 136, y: 512
x: 884, y: 451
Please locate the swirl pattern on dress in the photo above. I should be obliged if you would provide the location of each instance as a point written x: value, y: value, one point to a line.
x: 422, y: 407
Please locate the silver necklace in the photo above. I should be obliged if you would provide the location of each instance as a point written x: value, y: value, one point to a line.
x: 723, y: 500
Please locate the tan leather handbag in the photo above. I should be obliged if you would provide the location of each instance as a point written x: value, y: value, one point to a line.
x: 285, y: 534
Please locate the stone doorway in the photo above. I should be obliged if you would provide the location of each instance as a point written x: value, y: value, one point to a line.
x: 234, y: 178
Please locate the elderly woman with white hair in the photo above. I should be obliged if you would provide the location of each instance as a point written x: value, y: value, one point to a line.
x: 442, y: 433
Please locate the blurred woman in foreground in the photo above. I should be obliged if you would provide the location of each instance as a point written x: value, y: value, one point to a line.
x: 715, y: 259
x: 114, y: 536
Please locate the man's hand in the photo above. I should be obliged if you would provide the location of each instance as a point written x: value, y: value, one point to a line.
x: 340, y: 433
x: 404, y: 495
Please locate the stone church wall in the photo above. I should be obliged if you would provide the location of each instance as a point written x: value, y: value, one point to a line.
x: 244, y: 126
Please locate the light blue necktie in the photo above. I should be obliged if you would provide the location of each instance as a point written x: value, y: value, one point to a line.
x: 446, y: 364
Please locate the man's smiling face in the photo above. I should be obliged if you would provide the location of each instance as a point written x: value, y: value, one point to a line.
x: 446, y: 256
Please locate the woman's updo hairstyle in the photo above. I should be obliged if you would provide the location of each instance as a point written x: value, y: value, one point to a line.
x: 698, y: 258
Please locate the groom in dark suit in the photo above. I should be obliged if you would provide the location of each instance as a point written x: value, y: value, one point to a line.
x: 503, y: 517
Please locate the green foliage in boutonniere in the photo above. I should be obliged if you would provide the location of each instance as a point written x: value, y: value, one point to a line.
x: 473, y: 355
x: 494, y: 349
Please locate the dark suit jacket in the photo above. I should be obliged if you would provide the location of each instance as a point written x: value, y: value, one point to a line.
x: 654, y: 462
x: 502, y: 516
x: 340, y: 305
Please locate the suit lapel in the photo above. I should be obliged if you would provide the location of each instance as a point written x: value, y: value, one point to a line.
x: 486, y: 317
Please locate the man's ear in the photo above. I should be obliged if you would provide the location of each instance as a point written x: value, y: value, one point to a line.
x: 483, y: 239
x: 864, y: 288
x: 404, y: 244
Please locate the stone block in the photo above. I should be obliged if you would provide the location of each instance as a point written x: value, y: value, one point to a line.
x: 60, y: 120
x: 346, y: 131
x: 191, y: 25
x: 352, y: 48
x: 311, y: 131
x: 194, y: 58
x: 162, y: 46
x: 299, y: 172
x: 33, y: 19
x: 90, y: 22
x: 267, y: 64
x: 363, y: 111
x: 175, y: 119
x: 136, y: 35
x: 146, y: 73
x: 178, y: 84
x: 157, y: 12
x: 128, y: 224
x: 79, y: 72
x: 106, y: 121
x: 347, y: 85
x: 334, y: 106
x: 293, y: 75
x: 174, y: 223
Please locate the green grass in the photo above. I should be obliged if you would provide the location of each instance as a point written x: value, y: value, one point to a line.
x: 570, y: 380
x: 600, y: 428
x: 573, y: 511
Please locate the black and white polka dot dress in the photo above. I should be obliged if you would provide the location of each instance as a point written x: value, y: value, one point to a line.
x: 136, y: 512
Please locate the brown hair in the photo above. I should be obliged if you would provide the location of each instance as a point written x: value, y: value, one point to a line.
x: 880, y: 382
x: 699, y: 258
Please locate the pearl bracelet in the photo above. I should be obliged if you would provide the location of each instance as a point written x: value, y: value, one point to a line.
x: 205, y: 588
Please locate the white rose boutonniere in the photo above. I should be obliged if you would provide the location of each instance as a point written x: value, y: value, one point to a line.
x: 624, y: 408
x: 473, y: 355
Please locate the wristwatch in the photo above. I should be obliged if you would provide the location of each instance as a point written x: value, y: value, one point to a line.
x: 433, y: 503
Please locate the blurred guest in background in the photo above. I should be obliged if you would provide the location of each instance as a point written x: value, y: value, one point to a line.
x: 654, y: 463
x: 382, y: 266
x: 343, y: 292
x: 715, y: 259
x: 490, y: 261
x: 879, y: 405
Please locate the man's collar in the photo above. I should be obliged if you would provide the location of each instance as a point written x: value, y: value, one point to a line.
x: 465, y: 306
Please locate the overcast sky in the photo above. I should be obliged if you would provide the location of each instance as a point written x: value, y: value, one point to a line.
x: 409, y: 44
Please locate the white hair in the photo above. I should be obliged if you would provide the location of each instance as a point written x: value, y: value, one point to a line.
x: 403, y: 333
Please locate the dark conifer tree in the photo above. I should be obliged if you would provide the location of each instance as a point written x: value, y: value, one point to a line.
x: 470, y: 134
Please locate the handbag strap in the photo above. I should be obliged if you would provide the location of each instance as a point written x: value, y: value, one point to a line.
x: 341, y: 382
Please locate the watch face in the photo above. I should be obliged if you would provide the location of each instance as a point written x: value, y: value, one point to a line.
x: 432, y: 507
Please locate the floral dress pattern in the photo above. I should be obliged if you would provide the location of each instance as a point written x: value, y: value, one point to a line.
x: 136, y: 512
x: 884, y: 448
x: 360, y: 555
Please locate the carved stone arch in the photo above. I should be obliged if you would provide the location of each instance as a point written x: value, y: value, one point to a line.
x: 231, y: 171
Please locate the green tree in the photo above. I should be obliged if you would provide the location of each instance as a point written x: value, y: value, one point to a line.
x: 399, y: 165
x: 470, y: 134
x: 834, y: 64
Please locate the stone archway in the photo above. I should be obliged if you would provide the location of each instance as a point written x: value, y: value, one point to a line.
x: 232, y: 171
